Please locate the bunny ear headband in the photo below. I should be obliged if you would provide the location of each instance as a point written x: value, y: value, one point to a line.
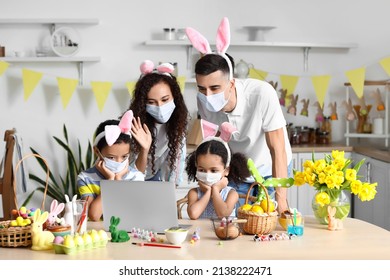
x: 147, y: 67
x: 209, y: 130
x: 222, y: 42
x: 112, y: 132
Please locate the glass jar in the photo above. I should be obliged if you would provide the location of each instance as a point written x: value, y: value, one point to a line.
x: 322, y: 137
x: 305, y: 134
x: 169, y: 33
x: 181, y: 34
x: 295, y: 136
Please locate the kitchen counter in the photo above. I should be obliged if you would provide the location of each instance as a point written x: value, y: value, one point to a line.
x: 358, y: 240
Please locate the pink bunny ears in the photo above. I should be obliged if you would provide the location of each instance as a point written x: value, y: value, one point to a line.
x: 112, y: 132
x: 147, y: 67
x: 209, y: 130
x: 222, y: 42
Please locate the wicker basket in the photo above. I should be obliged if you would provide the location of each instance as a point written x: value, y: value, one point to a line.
x: 20, y: 236
x: 258, y: 224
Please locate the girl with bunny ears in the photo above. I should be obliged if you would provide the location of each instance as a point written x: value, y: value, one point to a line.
x: 213, y: 165
x: 251, y: 105
x: 112, y: 147
x: 158, y: 102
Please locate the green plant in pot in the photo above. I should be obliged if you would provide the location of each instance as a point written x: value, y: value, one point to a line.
x: 60, y: 185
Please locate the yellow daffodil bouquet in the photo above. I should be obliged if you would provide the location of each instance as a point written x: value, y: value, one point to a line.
x: 330, y: 176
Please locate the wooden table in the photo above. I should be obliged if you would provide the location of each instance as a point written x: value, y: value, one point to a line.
x: 358, y: 240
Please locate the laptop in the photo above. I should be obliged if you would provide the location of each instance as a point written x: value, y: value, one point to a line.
x: 147, y: 205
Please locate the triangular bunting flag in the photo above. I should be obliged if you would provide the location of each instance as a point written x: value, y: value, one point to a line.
x: 321, y: 85
x: 130, y: 88
x: 289, y: 83
x: 257, y: 74
x: 101, y: 91
x: 182, y: 82
x: 3, y: 66
x: 384, y: 62
x: 356, y: 78
x: 67, y: 88
x: 30, y: 81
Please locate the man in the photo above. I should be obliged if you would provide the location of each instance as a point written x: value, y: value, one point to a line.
x: 252, y: 106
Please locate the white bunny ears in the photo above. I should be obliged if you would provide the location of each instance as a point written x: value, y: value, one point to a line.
x: 209, y: 130
x: 222, y: 42
x: 147, y: 67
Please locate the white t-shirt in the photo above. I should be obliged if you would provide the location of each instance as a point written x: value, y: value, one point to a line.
x: 257, y: 111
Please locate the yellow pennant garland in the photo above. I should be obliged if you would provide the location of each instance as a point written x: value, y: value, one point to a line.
x: 356, y: 78
x: 289, y: 83
x: 385, y: 63
x: 3, y: 67
x: 321, y: 85
x: 101, y: 91
x: 182, y: 82
x: 67, y: 87
x: 30, y: 81
x: 130, y: 88
x: 257, y: 74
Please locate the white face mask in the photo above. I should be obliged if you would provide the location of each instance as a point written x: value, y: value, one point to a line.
x: 161, y: 113
x: 208, y: 178
x: 115, y: 166
x: 214, y: 102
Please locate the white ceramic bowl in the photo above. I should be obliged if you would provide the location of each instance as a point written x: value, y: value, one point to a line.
x: 176, y: 236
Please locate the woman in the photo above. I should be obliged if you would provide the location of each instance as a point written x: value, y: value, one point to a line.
x: 158, y: 102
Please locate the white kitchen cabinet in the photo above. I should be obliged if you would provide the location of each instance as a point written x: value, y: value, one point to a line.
x: 373, y: 85
x: 304, y: 194
x: 376, y: 211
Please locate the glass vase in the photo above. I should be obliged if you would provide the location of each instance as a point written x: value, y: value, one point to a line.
x: 339, y: 200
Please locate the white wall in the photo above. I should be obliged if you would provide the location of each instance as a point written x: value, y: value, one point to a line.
x: 125, y: 25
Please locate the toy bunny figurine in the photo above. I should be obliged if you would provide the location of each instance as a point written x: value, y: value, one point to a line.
x: 333, y: 223
x: 117, y: 235
x: 350, y: 115
x: 380, y: 106
x: 274, y: 85
x: 68, y: 216
x: 305, y: 110
x: 41, y: 240
x: 55, y: 209
x: 333, y: 108
x: 282, y: 98
x: 320, y: 114
x: 292, y: 109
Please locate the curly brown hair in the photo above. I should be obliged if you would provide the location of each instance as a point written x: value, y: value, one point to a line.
x: 176, y: 125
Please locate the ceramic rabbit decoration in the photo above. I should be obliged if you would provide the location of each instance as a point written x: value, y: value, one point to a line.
x: 333, y: 222
x: 333, y: 108
x: 292, y: 108
x: 320, y: 114
x: 282, y: 98
x: 380, y: 105
x: 68, y: 216
x: 55, y: 209
x: 305, y: 109
x: 41, y: 240
x: 117, y: 235
x: 350, y: 114
x: 274, y: 84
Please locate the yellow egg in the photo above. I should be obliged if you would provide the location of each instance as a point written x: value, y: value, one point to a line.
x: 257, y: 209
x: 23, y: 210
x: 13, y: 223
x: 264, y: 203
x: 69, y: 241
x: 246, y: 207
x: 20, y: 221
x: 78, y: 240
x: 103, y: 235
x: 94, y: 235
x: 87, y: 238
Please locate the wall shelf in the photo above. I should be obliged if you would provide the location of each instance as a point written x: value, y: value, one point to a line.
x: 306, y: 47
x: 92, y: 21
x: 385, y: 135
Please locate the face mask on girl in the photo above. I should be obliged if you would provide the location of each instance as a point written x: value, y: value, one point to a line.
x: 161, y: 113
x: 214, y: 102
x: 208, y: 178
x: 115, y: 166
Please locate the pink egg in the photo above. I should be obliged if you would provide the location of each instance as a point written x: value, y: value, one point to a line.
x: 58, y: 240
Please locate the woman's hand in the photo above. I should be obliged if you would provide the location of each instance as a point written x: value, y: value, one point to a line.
x: 142, y: 134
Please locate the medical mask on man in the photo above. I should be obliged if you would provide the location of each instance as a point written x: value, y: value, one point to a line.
x: 208, y: 178
x: 214, y: 102
x: 161, y: 113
